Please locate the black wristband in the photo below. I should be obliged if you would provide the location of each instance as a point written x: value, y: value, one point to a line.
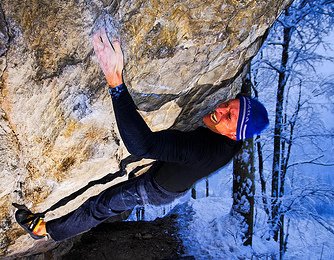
x: 116, y: 91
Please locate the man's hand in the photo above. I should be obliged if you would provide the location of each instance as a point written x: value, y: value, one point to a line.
x: 110, y: 57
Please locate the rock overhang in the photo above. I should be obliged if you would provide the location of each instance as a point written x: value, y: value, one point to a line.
x: 58, y: 129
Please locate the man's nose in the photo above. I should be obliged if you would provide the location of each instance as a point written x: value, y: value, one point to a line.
x: 235, y: 111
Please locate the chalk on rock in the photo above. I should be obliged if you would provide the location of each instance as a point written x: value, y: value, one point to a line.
x: 111, y: 25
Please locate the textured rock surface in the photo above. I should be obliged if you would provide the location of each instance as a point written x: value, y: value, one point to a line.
x: 57, y: 127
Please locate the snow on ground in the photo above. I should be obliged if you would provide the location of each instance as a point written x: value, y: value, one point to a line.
x: 210, y: 232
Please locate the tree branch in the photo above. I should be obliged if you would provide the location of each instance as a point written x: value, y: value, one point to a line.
x: 312, y: 161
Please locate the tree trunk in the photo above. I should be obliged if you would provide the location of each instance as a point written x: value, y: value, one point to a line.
x: 243, y: 185
x: 243, y: 189
x: 277, y: 189
x: 193, y: 192
x: 140, y: 213
x: 206, y: 187
x: 281, y: 238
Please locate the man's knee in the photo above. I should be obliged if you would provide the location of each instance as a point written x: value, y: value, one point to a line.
x: 156, y: 195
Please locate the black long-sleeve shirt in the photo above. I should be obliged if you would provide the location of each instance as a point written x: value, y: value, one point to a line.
x: 182, y: 157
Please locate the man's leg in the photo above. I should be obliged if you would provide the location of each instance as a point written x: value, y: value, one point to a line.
x: 113, y: 201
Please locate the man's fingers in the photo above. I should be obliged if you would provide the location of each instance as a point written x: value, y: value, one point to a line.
x: 97, y: 41
x: 117, y: 46
x: 100, y: 41
x: 105, y: 39
x: 96, y: 35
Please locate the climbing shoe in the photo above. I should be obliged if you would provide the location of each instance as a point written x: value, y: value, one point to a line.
x: 29, y: 221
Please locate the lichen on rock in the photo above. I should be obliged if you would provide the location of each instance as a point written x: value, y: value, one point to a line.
x: 58, y: 130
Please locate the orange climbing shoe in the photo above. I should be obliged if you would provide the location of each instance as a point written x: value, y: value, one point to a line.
x: 29, y: 221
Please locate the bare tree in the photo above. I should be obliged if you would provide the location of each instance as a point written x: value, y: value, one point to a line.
x: 243, y: 182
x: 288, y: 58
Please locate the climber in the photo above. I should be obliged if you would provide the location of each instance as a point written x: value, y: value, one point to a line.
x: 182, y: 158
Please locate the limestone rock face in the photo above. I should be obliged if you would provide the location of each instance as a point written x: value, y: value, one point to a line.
x: 57, y: 129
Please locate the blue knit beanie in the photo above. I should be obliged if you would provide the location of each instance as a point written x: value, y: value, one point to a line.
x: 253, y: 117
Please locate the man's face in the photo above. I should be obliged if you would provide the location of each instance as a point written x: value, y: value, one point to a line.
x: 224, y: 119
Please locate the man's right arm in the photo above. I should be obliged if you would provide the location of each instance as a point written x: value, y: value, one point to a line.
x: 167, y: 145
x: 140, y: 140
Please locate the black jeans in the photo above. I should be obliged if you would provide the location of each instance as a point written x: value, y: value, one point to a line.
x: 113, y: 201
